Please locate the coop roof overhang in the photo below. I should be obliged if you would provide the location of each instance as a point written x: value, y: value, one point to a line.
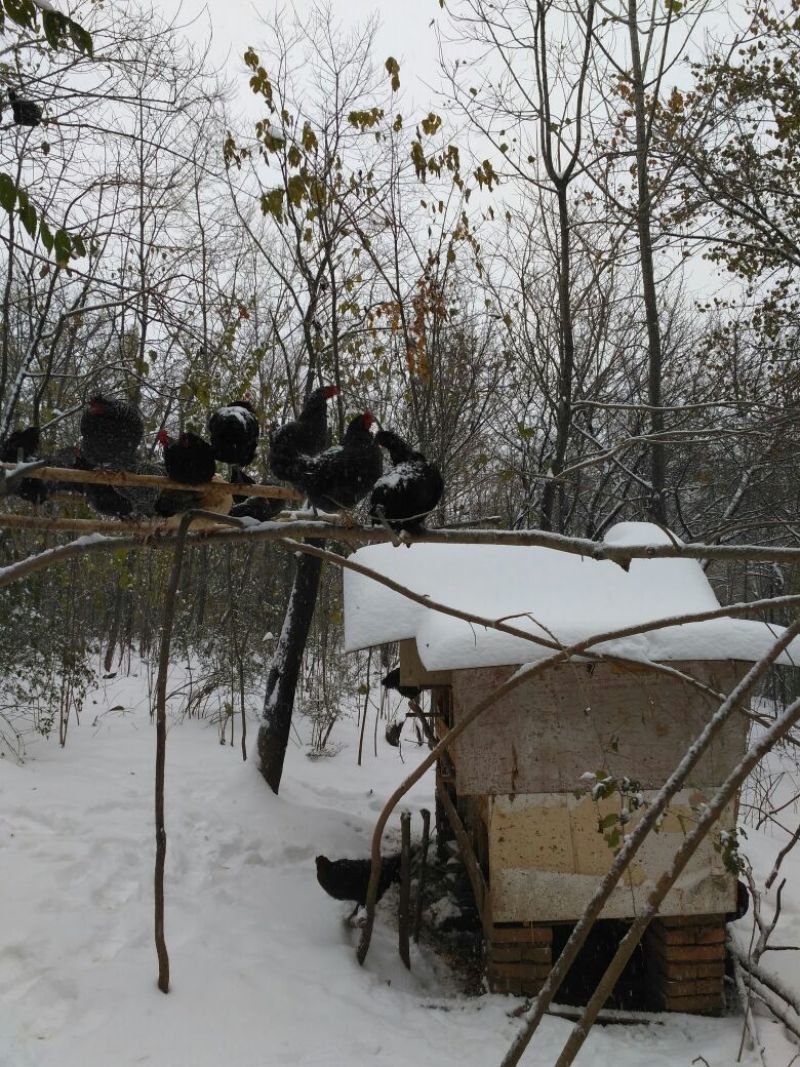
x: 550, y: 594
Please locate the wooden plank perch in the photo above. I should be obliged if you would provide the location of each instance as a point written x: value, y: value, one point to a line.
x: 103, y: 477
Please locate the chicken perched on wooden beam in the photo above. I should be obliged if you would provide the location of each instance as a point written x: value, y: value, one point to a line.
x: 234, y: 433
x: 215, y: 496
x: 340, y: 476
x: 306, y: 435
x: 23, y: 446
x: 188, y: 459
x: 111, y: 432
x: 260, y: 508
x: 405, y: 496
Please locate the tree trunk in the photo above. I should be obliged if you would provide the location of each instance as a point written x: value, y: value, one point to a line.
x: 553, y: 490
x: 657, y: 503
x: 273, y: 734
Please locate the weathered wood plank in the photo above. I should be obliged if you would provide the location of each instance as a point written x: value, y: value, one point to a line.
x: 546, y: 856
x: 412, y: 671
x: 589, y: 717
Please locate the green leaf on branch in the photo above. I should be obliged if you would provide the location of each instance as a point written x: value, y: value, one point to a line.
x: 8, y: 193
x: 393, y: 69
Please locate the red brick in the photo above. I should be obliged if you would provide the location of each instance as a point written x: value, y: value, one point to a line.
x: 697, y: 1005
x: 505, y: 953
x: 676, y: 971
x: 691, y: 920
x: 538, y: 954
x: 687, y: 953
x: 687, y: 935
x: 692, y: 987
x: 520, y: 970
x: 519, y: 934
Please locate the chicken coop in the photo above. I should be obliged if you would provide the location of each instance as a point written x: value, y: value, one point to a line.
x: 516, y: 790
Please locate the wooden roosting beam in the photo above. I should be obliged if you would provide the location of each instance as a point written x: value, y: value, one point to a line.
x: 103, y: 477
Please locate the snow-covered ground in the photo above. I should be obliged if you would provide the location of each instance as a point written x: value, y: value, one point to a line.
x: 263, y: 970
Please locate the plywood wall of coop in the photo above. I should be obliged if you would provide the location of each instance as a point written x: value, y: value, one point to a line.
x: 518, y: 770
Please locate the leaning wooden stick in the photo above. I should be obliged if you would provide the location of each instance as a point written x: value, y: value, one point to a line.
x: 423, y: 867
x: 709, y: 815
x: 161, y: 740
x: 634, y: 841
x: 404, y: 909
x: 526, y: 672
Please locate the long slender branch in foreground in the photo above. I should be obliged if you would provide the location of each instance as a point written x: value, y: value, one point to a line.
x: 351, y: 534
x: 636, y: 838
x: 523, y: 674
x: 706, y: 820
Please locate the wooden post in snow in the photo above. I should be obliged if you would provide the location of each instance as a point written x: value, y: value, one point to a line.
x: 404, y: 914
x: 423, y: 867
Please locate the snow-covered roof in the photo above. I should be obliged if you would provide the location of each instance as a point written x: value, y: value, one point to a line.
x: 548, y: 593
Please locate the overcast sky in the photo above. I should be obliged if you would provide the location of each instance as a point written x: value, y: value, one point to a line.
x: 405, y: 31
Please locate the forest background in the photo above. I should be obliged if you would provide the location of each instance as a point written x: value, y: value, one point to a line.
x: 569, y: 278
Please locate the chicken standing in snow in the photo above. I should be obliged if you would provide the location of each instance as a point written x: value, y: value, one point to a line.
x: 405, y: 495
x: 24, y: 444
x: 111, y: 430
x: 234, y: 432
x: 349, y: 879
x: 306, y: 435
x: 190, y: 459
x: 340, y: 476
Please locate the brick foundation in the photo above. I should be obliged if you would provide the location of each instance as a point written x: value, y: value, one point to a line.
x: 686, y: 963
x: 519, y: 958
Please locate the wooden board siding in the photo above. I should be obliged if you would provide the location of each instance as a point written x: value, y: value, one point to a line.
x: 580, y: 717
x: 412, y: 671
x: 546, y: 857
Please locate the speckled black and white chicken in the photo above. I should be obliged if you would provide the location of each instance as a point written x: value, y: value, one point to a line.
x: 111, y: 432
x: 408, y: 493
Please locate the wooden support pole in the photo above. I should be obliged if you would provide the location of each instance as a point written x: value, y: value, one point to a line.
x: 423, y: 868
x: 404, y: 913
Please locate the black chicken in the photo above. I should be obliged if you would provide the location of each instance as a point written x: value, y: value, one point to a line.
x: 240, y: 477
x: 406, y: 494
x: 67, y: 458
x: 260, y: 508
x: 107, y: 500
x: 392, y: 681
x: 24, y: 444
x: 25, y: 112
x: 234, y: 432
x: 120, y: 502
x: 348, y: 879
x: 190, y: 459
x: 393, y: 731
x: 306, y: 435
x: 112, y: 430
x: 340, y: 476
